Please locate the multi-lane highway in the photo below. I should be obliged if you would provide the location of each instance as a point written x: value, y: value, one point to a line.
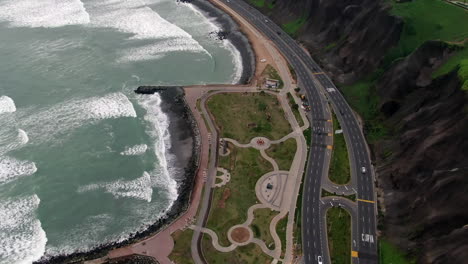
x: 320, y: 90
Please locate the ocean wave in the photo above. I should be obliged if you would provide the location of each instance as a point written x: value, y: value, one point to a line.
x: 11, y: 169
x: 158, y: 130
x: 12, y: 144
x: 236, y: 60
x: 7, y: 105
x: 23, y: 239
x: 142, y: 22
x: 140, y: 188
x: 46, y: 124
x: 45, y: 13
x: 134, y: 150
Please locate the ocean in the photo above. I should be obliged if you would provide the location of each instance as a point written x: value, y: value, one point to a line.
x: 84, y: 161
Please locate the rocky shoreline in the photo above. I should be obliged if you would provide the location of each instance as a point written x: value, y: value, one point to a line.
x: 185, y: 147
x: 229, y: 31
x: 184, y: 136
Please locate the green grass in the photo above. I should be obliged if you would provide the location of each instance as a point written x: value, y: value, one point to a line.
x: 389, y: 254
x: 293, y: 27
x: 261, y: 225
x: 250, y: 253
x: 308, y: 136
x: 460, y: 59
x: 181, y: 253
x: 339, y: 235
x: 363, y: 98
x: 292, y: 71
x: 281, y: 231
x: 339, y: 165
x: 350, y: 197
x: 234, y: 112
x: 295, y: 110
x: 283, y: 153
x: 246, y: 167
x: 428, y: 20
x: 272, y: 73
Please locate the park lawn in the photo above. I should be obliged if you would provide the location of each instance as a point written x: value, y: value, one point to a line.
x: 428, y: 20
x: 261, y: 225
x: 181, y: 253
x: 247, y: 254
x: 243, y: 116
x: 389, y: 254
x: 339, y: 165
x: 339, y: 235
x: 295, y: 110
x: 231, y: 201
x: 283, y: 153
x: 349, y: 197
x: 272, y: 73
x: 281, y: 231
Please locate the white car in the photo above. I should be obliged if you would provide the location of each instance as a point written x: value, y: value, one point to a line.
x: 319, y: 260
x: 363, y: 169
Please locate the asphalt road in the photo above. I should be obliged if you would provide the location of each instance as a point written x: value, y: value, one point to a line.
x: 319, y: 90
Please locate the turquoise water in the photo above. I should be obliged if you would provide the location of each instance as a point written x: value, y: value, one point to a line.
x: 83, y: 160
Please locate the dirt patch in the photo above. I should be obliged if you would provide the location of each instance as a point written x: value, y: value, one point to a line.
x: 226, y: 194
x: 240, y: 234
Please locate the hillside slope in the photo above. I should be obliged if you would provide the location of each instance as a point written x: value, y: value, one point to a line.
x: 412, y: 94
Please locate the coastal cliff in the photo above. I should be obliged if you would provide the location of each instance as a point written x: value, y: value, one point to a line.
x: 421, y: 162
x: 349, y: 38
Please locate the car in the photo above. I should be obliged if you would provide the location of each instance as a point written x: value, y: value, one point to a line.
x: 363, y: 169
x: 319, y: 260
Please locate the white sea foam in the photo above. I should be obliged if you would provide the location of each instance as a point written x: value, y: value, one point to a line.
x: 44, y: 13
x: 8, y: 144
x: 23, y: 239
x: 139, y: 188
x: 45, y: 124
x: 158, y: 130
x: 11, y: 169
x: 134, y: 150
x: 7, y: 105
x: 236, y: 60
x: 142, y: 22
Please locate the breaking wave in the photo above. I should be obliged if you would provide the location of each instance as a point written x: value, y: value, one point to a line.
x: 44, y: 13
x: 135, y: 150
x: 11, y: 169
x: 139, y: 188
x: 23, y: 239
x: 7, y: 105
x: 64, y: 117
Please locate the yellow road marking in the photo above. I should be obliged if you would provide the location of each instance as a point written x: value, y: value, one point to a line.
x: 367, y: 201
x: 354, y: 254
x: 329, y: 120
x: 329, y: 147
x: 329, y: 134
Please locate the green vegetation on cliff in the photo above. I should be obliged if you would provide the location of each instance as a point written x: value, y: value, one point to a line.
x: 293, y: 27
x: 428, y: 20
x: 389, y: 254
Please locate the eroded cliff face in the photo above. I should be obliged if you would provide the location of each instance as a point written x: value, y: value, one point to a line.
x: 349, y: 37
x: 422, y: 170
x: 425, y: 178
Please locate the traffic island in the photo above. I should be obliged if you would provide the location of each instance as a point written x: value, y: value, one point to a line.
x: 339, y: 235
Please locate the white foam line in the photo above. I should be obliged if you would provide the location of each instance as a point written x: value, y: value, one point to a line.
x: 11, y: 169
x: 7, y: 105
x: 134, y: 150
x: 23, y: 239
x: 159, y: 131
x: 44, y: 13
